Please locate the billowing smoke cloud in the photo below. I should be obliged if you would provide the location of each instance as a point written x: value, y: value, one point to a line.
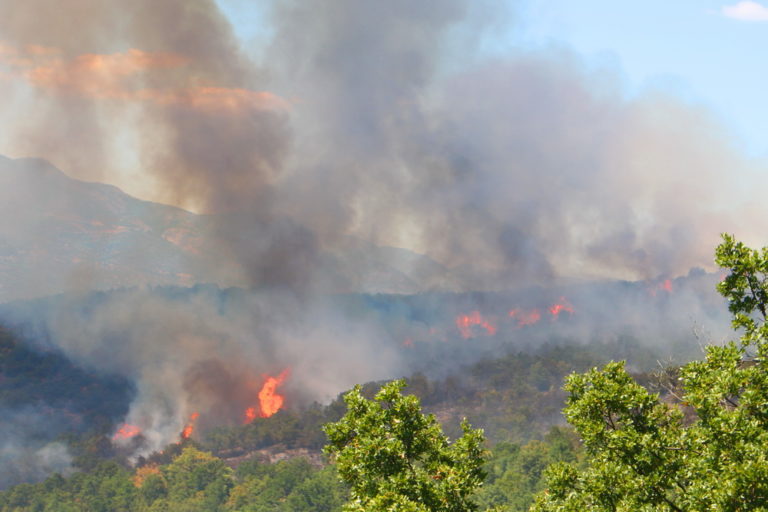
x: 381, y: 122
x: 165, y: 88
x: 207, y: 351
x: 363, y: 123
x: 527, y: 166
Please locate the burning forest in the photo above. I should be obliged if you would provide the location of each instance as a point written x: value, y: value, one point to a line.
x: 232, y: 213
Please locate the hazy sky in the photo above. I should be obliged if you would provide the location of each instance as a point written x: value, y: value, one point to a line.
x: 706, y: 51
x: 591, y: 138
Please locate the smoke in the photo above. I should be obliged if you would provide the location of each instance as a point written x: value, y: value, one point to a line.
x: 360, y: 124
x: 208, y: 351
x: 25, y: 455
x: 387, y: 123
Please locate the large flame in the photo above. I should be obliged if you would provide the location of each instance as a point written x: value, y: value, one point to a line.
x: 126, y: 431
x: 465, y: 323
x: 270, y: 401
x: 189, y: 428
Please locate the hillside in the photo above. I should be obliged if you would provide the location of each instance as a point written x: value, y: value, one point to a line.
x: 61, y: 234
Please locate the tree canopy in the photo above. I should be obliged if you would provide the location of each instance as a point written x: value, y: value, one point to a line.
x: 702, y: 447
x: 395, y: 458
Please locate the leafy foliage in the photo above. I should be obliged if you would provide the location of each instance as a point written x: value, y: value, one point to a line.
x: 395, y: 458
x: 704, y: 451
x: 192, y: 481
x: 29, y: 376
x: 516, y: 472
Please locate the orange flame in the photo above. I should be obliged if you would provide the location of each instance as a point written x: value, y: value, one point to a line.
x: 465, y: 323
x: 561, y: 306
x: 126, y: 431
x: 190, y: 426
x: 269, y: 400
x: 665, y: 285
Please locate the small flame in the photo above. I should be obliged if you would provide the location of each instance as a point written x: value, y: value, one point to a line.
x: 190, y: 426
x: 665, y: 286
x: 126, y: 431
x: 408, y: 342
x: 465, y: 323
x: 561, y: 306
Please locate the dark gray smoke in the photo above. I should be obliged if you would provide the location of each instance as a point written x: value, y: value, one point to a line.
x: 384, y: 122
x: 362, y: 124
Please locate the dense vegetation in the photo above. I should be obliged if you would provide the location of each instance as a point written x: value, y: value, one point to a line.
x: 517, y: 397
x: 704, y: 450
x: 31, y: 377
x: 687, y: 438
x: 194, y: 480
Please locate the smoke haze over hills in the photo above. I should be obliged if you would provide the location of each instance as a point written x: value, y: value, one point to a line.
x: 386, y: 123
x: 368, y: 146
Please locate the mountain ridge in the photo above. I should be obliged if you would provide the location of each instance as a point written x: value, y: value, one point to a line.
x: 60, y: 234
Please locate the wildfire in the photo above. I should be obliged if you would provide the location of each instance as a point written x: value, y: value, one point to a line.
x: 189, y: 428
x: 563, y: 305
x: 269, y: 400
x: 465, y: 323
x: 126, y: 431
x: 665, y: 286
x: 521, y: 317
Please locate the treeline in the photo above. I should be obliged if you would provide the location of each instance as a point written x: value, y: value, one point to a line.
x: 517, y: 398
x: 47, y: 379
x: 195, y: 480
x: 192, y: 481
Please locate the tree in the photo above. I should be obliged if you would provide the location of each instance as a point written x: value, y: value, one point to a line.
x: 395, y: 458
x: 704, y: 449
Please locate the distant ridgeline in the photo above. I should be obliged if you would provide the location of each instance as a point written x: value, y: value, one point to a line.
x: 74, y: 399
x: 46, y: 405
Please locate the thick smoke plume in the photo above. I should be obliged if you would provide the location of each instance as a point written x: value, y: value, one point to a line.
x: 207, y: 351
x: 361, y: 124
x: 382, y: 122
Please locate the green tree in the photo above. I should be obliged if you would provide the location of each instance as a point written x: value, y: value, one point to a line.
x: 196, y: 481
x: 703, y: 447
x: 395, y: 458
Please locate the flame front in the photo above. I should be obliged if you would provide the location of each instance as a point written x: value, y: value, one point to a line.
x: 270, y: 401
x: 189, y: 428
x: 465, y: 323
x: 563, y: 305
x: 126, y: 431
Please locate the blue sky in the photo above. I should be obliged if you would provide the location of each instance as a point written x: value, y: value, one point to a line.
x: 709, y: 52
